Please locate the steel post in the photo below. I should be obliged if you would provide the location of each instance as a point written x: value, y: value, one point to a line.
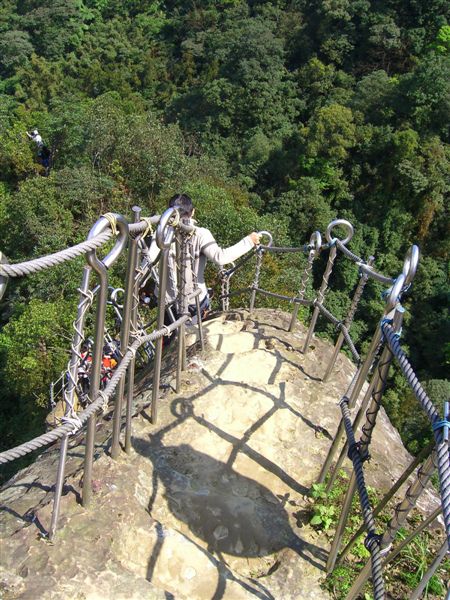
x: 100, y: 267
x: 417, y: 593
x: 163, y: 267
x: 343, y: 517
x: 78, y: 336
x: 348, y: 319
x: 356, y: 424
x: 320, y: 297
x: 365, y: 367
x: 401, y: 512
x: 259, y: 257
x: 178, y: 243
x: 58, y: 486
x: 69, y: 392
x: 387, y: 497
x: 125, y: 332
x: 132, y: 365
x: 383, y: 368
x: 334, y: 448
x: 199, y: 323
x: 94, y: 385
x: 315, y: 245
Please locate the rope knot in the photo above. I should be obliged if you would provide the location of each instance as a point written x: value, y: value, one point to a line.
x: 74, y: 421
x: 149, y: 228
x: 112, y: 220
x: 372, y: 541
x: 443, y: 424
x: 354, y: 449
x: 102, y: 394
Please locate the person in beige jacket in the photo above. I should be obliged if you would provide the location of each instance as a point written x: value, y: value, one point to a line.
x: 203, y: 247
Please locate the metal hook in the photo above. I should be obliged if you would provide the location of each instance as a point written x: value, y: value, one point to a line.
x: 120, y: 244
x: 269, y: 235
x: 114, y: 295
x: 165, y: 231
x: 394, y: 293
x: 334, y: 224
x: 3, y: 278
x: 410, y: 264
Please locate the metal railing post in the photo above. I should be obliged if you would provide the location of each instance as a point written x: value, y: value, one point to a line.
x: 343, y: 518
x: 315, y: 243
x: 94, y: 379
x: 125, y: 332
x: 327, y: 273
x: 348, y: 319
x: 401, y: 512
x: 336, y: 441
x: 320, y: 297
x: 371, y: 415
x: 259, y: 258
x: 72, y: 372
x: 356, y: 424
x: 417, y: 593
x: 58, y: 486
x: 183, y: 304
x: 132, y: 365
x: 164, y: 238
x: 163, y: 266
x: 100, y: 267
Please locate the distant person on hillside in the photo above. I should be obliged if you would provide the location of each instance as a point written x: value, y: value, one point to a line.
x: 35, y: 136
x: 43, y: 151
x: 202, y: 247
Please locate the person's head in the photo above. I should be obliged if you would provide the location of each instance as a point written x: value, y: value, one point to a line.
x: 35, y: 132
x: 183, y: 203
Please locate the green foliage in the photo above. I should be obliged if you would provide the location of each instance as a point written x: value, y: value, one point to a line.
x: 35, y: 345
x: 273, y: 115
x: 408, y: 568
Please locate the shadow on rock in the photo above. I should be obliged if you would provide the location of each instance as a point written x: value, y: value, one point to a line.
x: 233, y: 514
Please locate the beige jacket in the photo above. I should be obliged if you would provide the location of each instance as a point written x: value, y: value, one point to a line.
x: 201, y: 247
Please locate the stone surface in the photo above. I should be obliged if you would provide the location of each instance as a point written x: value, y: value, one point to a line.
x: 209, y: 503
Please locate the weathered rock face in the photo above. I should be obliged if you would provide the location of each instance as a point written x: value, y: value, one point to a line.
x: 209, y: 503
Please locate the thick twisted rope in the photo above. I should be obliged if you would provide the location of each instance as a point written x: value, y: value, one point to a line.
x: 51, y: 260
x: 372, y: 541
x: 442, y: 449
x: 68, y: 428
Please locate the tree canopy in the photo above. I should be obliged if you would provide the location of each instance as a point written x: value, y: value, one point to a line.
x: 281, y: 114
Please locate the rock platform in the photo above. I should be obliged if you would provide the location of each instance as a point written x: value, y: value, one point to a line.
x: 211, y: 502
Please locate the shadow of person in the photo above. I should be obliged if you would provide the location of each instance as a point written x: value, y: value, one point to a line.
x: 231, y: 513
x: 234, y: 514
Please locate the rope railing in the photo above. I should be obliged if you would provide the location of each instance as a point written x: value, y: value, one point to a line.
x: 51, y: 260
x: 358, y: 451
x: 73, y: 427
x: 172, y: 230
x: 439, y: 426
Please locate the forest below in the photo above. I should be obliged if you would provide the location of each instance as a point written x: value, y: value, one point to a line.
x: 274, y: 115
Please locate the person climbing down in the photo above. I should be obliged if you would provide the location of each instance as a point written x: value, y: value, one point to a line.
x: 43, y: 151
x: 202, y: 247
